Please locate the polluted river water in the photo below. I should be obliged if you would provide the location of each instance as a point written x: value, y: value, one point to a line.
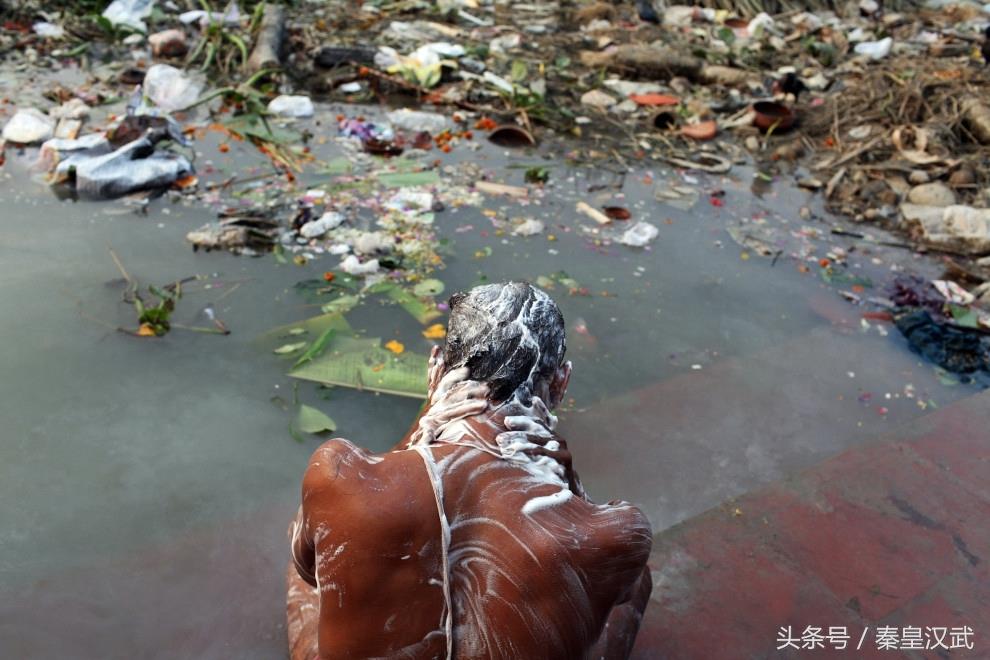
x: 146, y: 484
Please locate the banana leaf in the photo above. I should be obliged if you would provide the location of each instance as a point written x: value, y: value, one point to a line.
x: 363, y: 364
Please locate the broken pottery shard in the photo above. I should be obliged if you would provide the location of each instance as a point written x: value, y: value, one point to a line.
x: 168, y: 43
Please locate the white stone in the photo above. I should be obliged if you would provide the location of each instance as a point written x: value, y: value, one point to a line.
x: 29, y: 126
x: 955, y: 228
x: 291, y: 106
x: 932, y: 194
x: 597, y: 99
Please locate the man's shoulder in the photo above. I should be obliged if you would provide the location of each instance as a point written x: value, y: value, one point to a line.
x: 385, y: 498
x: 334, y: 460
x: 339, y: 468
x: 615, y: 529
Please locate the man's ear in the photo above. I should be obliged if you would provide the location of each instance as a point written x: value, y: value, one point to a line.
x: 558, y: 384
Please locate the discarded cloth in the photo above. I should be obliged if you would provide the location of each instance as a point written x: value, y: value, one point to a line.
x: 955, y: 349
x: 98, y: 172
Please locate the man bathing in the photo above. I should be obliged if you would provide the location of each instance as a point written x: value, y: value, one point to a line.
x: 473, y: 538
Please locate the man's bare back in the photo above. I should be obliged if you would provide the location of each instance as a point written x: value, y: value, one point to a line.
x: 472, y: 539
x: 532, y: 574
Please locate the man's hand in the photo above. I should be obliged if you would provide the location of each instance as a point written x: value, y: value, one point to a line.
x: 452, y: 397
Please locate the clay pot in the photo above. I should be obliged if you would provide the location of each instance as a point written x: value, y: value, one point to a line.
x: 508, y: 135
x: 385, y: 148
x: 704, y: 130
x: 617, y: 212
x: 772, y: 114
x: 664, y: 120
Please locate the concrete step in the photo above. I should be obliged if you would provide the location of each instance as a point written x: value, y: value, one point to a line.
x: 894, y: 533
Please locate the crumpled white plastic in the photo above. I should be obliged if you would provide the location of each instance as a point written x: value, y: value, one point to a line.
x: 170, y: 88
x: 875, y: 50
x: 640, y: 234
x: 129, y: 12
x: 352, y: 266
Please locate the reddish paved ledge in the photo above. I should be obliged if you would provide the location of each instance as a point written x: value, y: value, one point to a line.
x: 892, y: 535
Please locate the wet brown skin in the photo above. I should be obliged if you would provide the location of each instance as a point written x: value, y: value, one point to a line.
x: 563, y: 571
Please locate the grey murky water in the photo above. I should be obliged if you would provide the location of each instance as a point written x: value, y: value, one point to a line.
x: 145, y: 485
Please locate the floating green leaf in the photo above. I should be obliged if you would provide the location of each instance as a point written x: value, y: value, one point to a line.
x: 421, y: 310
x: 316, y: 325
x: 841, y: 277
x: 430, y: 287
x: 285, y: 349
x: 365, y: 365
x: 519, y: 71
x: 312, y: 420
x: 317, y: 347
x: 341, y: 305
x: 341, y: 165
x: 537, y: 174
x: 253, y: 125
x: 964, y: 316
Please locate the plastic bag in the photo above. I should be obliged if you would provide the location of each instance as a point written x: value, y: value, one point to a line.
x: 170, y: 88
x: 129, y: 12
x: 875, y: 50
x: 231, y: 15
x: 326, y: 222
x: 640, y: 234
x: 48, y: 30
x: 352, y: 266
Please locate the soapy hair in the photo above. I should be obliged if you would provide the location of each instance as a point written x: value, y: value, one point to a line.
x: 509, y: 335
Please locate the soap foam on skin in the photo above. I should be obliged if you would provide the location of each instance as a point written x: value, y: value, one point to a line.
x: 526, y: 428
